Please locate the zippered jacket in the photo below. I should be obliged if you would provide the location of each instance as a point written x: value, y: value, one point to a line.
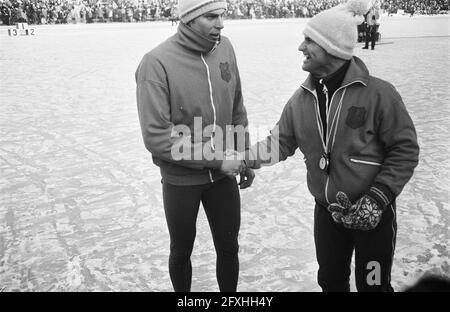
x: 372, y: 144
x: 185, y: 77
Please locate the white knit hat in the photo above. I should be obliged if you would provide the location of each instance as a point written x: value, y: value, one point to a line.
x: 335, y: 29
x: 190, y: 9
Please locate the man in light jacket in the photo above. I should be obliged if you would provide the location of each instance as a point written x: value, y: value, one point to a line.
x: 189, y: 100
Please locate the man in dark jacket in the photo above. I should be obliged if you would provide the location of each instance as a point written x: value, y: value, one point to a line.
x: 189, y: 100
x: 360, y: 150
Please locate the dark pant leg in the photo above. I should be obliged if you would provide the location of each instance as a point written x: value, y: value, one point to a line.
x: 223, y: 210
x: 334, y: 249
x: 367, y: 36
x: 374, y: 252
x: 373, y: 36
x: 181, y: 205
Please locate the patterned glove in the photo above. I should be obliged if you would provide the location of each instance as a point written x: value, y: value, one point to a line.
x: 364, y: 215
x: 341, y: 208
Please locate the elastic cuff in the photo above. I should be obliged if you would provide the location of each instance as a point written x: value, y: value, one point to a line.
x: 250, y: 159
x: 215, y: 163
x: 245, y: 164
x: 381, y: 194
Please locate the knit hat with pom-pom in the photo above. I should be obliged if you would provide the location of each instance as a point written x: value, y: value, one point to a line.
x: 336, y: 29
x: 191, y: 9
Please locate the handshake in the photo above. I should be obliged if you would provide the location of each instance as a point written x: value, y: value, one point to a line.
x: 234, y: 164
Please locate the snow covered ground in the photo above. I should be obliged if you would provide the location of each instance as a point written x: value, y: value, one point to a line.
x: 80, y: 200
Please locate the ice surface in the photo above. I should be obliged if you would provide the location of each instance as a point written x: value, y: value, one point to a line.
x: 80, y: 200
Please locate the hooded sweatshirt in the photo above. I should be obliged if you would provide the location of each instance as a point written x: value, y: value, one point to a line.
x: 188, y: 95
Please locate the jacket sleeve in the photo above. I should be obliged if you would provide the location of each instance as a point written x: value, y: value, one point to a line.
x: 278, y: 146
x: 161, y: 137
x: 397, y: 134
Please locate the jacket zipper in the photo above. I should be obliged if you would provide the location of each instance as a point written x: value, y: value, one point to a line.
x: 213, y: 108
x: 320, y: 126
x: 210, y: 176
x: 329, y: 128
x: 320, y: 129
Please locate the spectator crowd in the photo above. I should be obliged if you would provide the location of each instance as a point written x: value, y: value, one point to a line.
x: 429, y: 7
x: 98, y: 11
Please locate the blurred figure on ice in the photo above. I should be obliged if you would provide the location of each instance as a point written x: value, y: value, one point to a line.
x: 372, y: 24
x: 194, y: 75
x: 360, y: 149
x: 174, y: 15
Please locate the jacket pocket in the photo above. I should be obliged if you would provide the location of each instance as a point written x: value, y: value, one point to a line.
x: 365, y: 162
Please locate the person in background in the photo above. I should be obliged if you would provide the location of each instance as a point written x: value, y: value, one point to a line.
x: 430, y: 283
x: 372, y: 25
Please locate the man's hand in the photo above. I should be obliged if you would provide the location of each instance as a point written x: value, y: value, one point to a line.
x: 247, y: 177
x: 232, y: 164
x: 364, y: 215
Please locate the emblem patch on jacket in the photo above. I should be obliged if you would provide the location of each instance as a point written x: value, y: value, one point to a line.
x: 356, y: 117
x: 225, y: 71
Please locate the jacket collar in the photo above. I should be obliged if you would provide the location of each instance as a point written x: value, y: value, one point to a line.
x: 357, y: 72
x: 193, y: 40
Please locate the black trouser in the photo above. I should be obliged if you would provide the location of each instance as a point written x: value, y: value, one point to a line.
x: 374, y: 251
x: 371, y: 35
x: 221, y: 201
